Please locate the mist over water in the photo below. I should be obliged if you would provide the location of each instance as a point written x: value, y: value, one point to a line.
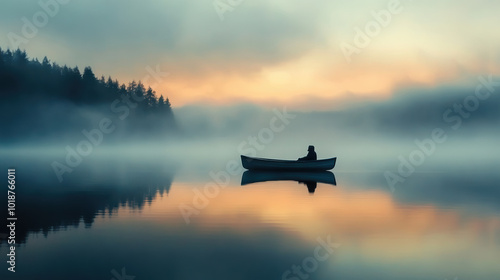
x: 369, y: 136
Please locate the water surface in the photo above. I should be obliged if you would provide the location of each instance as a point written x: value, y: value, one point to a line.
x: 116, y: 218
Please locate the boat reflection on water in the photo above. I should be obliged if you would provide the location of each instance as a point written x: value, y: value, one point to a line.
x: 310, y: 179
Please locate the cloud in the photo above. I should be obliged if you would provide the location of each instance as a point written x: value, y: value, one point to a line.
x: 233, y: 59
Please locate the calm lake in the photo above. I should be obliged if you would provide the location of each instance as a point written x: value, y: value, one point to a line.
x: 123, y: 219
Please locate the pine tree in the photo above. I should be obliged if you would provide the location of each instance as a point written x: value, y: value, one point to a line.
x: 20, y: 57
x: 88, y: 76
x: 46, y: 64
x: 161, y: 102
x: 150, y: 98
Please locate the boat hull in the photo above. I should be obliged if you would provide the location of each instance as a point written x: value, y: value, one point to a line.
x: 287, y: 165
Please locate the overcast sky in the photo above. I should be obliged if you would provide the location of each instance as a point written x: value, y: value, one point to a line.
x: 279, y: 52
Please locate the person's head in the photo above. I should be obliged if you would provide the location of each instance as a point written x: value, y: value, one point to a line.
x: 311, y: 148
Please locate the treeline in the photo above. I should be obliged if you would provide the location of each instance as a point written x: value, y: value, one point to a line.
x: 44, y: 99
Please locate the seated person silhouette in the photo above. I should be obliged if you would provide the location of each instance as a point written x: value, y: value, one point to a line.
x: 311, y: 155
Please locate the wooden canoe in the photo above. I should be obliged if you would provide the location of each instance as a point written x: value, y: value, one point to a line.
x: 264, y: 164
